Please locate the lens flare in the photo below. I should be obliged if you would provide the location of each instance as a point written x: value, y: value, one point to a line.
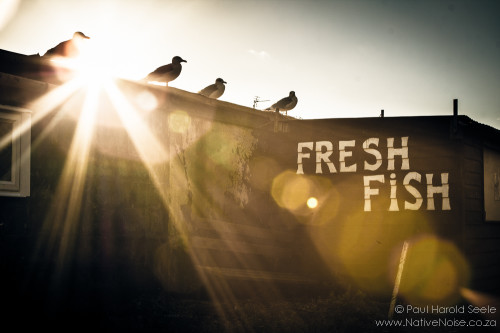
x: 63, y: 219
x: 179, y: 121
x: 435, y: 272
x: 328, y: 208
x: 291, y: 191
x: 146, y: 100
x: 312, y: 199
x: 361, y: 247
x: 312, y: 202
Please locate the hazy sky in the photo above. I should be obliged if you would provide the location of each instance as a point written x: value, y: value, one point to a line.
x: 342, y: 58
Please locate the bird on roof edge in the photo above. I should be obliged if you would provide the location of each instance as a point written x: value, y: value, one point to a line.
x: 166, y: 73
x: 69, y: 48
x: 284, y: 104
x: 214, y: 90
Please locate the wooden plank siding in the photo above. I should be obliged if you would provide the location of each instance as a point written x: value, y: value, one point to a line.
x: 237, y: 251
x: 481, y: 238
x: 223, y: 207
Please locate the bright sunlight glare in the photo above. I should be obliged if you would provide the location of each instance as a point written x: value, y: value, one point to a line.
x: 150, y: 149
x: 71, y: 185
x: 92, y: 66
x: 312, y: 202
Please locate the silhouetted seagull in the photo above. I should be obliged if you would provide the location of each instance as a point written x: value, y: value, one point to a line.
x: 68, y: 48
x: 214, y: 90
x: 284, y: 104
x: 168, y: 72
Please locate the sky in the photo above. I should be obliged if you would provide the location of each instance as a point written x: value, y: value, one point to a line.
x: 343, y: 58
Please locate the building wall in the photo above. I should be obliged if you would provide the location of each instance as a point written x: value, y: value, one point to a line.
x: 482, y: 230
x: 367, y: 213
x: 142, y: 202
x: 491, y: 163
x: 202, y: 195
x: 87, y: 236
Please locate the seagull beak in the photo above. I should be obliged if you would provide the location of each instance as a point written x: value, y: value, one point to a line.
x: 183, y: 60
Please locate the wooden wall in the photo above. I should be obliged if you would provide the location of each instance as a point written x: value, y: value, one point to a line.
x: 481, y: 237
x: 199, y: 195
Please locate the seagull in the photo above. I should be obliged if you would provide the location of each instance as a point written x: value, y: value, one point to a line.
x: 284, y: 104
x: 214, y: 90
x: 69, y: 48
x: 168, y: 72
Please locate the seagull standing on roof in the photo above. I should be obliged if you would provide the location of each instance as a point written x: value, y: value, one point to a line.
x: 284, y: 104
x: 69, y: 48
x: 214, y: 90
x: 168, y: 72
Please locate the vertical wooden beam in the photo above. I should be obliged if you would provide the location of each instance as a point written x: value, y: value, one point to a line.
x: 402, y: 260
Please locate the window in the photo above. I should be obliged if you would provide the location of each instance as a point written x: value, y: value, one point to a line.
x: 491, y: 161
x: 15, y: 151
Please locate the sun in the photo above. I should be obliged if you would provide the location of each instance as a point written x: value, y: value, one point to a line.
x: 90, y: 67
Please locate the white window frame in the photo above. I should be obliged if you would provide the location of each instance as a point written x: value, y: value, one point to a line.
x: 19, y: 184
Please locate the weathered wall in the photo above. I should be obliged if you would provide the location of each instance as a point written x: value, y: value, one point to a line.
x: 126, y: 202
x: 222, y: 212
x: 196, y: 194
x: 481, y: 233
x: 87, y: 236
x: 372, y: 180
